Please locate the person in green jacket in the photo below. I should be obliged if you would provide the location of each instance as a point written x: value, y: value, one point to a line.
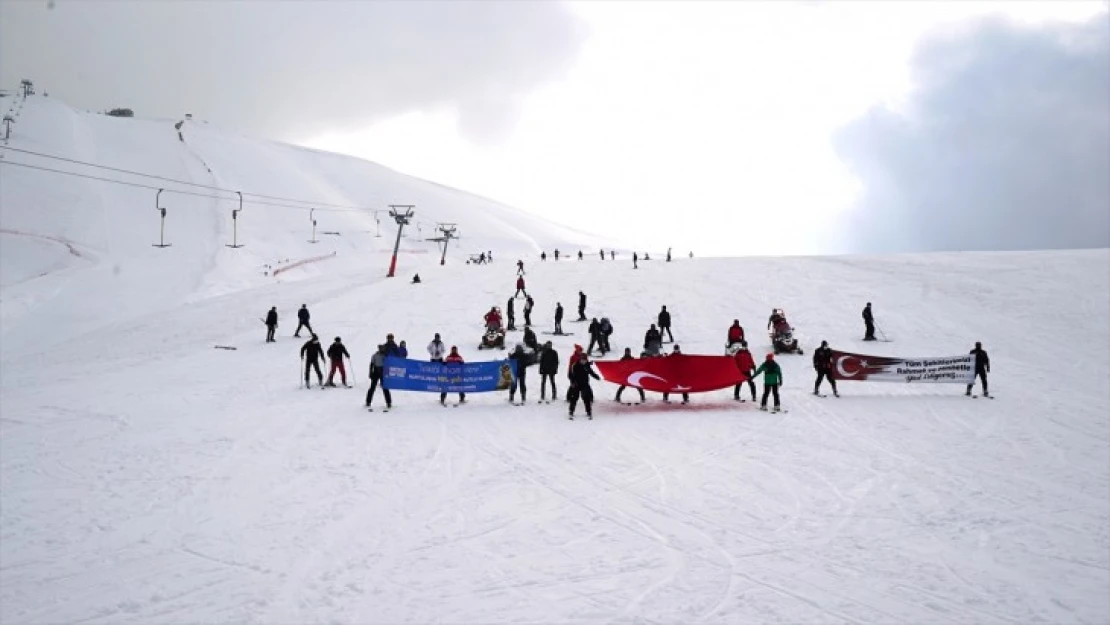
x: 771, y: 381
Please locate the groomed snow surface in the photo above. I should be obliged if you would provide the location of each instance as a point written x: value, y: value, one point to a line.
x: 146, y: 477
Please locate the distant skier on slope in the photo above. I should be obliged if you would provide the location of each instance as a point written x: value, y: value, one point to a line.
x: 579, y: 254
x: 558, y: 318
x: 580, y: 374
x: 581, y: 306
x: 302, y: 321
x: 377, y: 376
x: 311, y: 354
x: 628, y: 356
x: 336, y: 352
x: 823, y: 365
x: 665, y: 324
x: 868, y: 323
x: 556, y: 254
x: 271, y: 322
x: 543, y: 256
x: 635, y: 260
x: 982, y: 368
x: 520, y: 287
x: 520, y: 267
x: 772, y: 380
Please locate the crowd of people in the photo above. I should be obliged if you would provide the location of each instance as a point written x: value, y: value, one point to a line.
x: 529, y: 352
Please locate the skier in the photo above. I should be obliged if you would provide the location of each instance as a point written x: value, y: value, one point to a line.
x: 558, y: 318
x: 602, y: 252
x: 403, y: 350
x: 556, y: 254
x: 668, y: 254
x: 543, y: 256
x: 509, y: 315
x: 635, y: 260
x: 549, y: 366
x: 823, y: 364
x: 581, y: 306
x: 868, y: 323
x: 746, y: 364
x: 595, y: 335
x: 336, y: 352
x: 653, y: 342
x: 628, y: 356
x: 436, y: 349
x: 771, y: 381
x: 416, y: 279
x: 579, y: 254
x: 311, y: 353
x: 528, y: 304
x: 735, y: 333
x: 612, y: 255
x: 665, y: 324
x: 685, y: 396
x: 453, y: 358
x: 523, y: 360
x: 606, y: 330
x: 377, y: 375
x: 302, y: 321
x: 580, y: 374
x: 520, y: 287
x: 520, y: 267
x: 271, y: 324
x: 982, y: 368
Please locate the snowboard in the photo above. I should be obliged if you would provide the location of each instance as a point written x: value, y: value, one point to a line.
x: 225, y: 347
x: 558, y: 333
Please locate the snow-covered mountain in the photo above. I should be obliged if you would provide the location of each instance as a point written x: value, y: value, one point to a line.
x: 146, y: 477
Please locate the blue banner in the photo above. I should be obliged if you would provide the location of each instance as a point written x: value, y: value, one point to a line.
x: 402, y: 374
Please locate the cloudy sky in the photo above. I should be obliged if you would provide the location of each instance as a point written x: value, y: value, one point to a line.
x: 723, y: 127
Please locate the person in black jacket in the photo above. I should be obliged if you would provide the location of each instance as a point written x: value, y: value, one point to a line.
x: 628, y: 356
x: 595, y: 335
x: 549, y: 366
x: 336, y: 352
x: 868, y: 323
x: 271, y: 324
x: 558, y: 318
x: 580, y: 374
x: 665, y: 324
x: 685, y: 396
x: 311, y: 353
x: 581, y: 306
x: 528, y: 304
x: 523, y: 361
x: 653, y: 342
x: 509, y: 316
x: 530, y: 340
x: 982, y: 368
x: 823, y: 364
x: 302, y: 321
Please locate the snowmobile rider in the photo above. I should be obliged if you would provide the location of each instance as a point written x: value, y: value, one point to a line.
x: 735, y: 333
x: 823, y: 365
x: 312, y: 353
x: 493, y: 319
x: 653, y: 343
x: 776, y: 316
x: 982, y: 368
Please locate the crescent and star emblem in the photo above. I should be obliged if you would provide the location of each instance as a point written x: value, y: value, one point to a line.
x: 634, y: 378
x: 862, y: 364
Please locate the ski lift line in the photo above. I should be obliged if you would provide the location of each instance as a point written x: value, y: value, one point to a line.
x: 181, y: 182
x: 179, y: 191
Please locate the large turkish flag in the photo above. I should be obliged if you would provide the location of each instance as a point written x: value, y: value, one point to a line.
x: 677, y: 373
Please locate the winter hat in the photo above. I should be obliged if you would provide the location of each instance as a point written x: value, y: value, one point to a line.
x: 770, y: 356
x: 824, y: 343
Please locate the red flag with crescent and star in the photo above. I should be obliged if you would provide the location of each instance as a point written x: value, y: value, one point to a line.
x: 677, y: 373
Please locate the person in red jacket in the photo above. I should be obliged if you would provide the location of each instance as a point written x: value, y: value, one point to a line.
x: 520, y: 287
x: 746, y: 364
x: 493, y: 319
x: 735, y: 333
x: 453, y: 358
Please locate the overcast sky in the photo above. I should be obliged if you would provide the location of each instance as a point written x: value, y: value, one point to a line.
x: 722, y: 127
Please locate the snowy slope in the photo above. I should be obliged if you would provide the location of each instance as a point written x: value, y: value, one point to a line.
x: 77, y: 253
x: 146, y: 477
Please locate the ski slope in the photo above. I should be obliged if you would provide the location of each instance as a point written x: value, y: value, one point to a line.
x: 146, y: 477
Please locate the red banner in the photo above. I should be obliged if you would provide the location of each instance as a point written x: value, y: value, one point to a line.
x: 678, y: 373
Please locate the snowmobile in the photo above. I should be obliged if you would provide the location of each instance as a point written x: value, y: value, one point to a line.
x: 782, y: 338
x: 732, y: 348
x: 494, y: 338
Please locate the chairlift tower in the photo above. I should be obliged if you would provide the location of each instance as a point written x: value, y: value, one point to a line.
x: 402, y: 220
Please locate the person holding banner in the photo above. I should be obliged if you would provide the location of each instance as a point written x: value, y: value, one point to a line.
x: 628, y: 356
x: 823, y: 365
x: 746, y: 364
x: 982, y: 368
x: 453, y: 358
x: 771, y: 381
x: 685, y: 396
x: 580, y: 374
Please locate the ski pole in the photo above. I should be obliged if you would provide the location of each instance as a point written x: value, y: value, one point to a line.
x: 883, y: 334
